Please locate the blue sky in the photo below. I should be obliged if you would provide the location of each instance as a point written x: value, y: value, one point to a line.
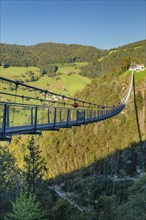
x: 103, y: 24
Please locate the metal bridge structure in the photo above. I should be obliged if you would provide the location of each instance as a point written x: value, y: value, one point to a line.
x: 17, y: 118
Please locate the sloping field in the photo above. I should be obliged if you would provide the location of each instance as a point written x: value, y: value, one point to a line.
x: 138, y: 75
x: 67, y: 80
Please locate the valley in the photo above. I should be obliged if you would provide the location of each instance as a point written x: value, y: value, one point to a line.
x: 90, y: 172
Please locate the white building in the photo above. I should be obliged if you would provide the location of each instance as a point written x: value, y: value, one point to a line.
x: 137, y: 67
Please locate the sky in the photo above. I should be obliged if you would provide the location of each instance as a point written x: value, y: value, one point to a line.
x: 102, y: 24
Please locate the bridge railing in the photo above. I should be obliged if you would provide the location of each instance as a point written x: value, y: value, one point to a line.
x: 17, y: 118
x: 1, y: 115
x: 15, y: 114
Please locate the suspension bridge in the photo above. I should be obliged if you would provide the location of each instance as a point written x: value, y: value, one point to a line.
x: 17, y: 118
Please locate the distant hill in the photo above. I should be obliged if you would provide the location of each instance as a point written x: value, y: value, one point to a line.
x: 100, y: 61
x: 116, y: 60
x: 43, y: 54
x: 119, y: 59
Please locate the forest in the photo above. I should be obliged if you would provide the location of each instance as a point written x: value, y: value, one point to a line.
x: 91, y: 172
x: 41, y: 55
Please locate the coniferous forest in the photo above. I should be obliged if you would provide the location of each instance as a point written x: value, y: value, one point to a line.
x: 92, y: 172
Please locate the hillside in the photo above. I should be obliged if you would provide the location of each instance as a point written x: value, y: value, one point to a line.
x: 91, y: 165
x: 66, y: 80
x: 119, y: 59
x: 93, y: 172
x: 124, y: 125
x: 41, y: 55
x: 116, y: 60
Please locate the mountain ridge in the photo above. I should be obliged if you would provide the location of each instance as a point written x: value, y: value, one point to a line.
x: 69, y: 53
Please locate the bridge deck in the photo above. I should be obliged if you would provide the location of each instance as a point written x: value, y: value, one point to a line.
x: 36, y: 127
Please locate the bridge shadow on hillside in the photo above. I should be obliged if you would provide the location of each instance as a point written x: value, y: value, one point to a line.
x: 109, y: 176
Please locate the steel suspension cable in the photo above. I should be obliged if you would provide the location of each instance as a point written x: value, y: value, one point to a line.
x: 37, y: 99
x: 48, y: 92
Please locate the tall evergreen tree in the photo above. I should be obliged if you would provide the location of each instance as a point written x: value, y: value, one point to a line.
x: 25, y: 208
x: 10, y: 180
x: 34, y: 168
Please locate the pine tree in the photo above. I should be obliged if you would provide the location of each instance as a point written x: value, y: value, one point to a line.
x: 10, y: 180
x: 34, y: 168
x: 25, y: 208
x: 135, y: 207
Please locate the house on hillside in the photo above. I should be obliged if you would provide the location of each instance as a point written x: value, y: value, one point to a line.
x: 137, y: 67
x: 140, y: 67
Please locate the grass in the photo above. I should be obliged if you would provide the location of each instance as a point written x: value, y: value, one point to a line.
x: 113, y: 51
x: 67, y: 84
x: 74, y: 82
x: 16, y: 72
x: 78, y: 64
x: 69, y: 69
x: 139, y: 76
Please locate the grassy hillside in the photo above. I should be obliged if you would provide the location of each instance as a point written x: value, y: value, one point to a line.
x: 118, y: 59
x: 66, y: 81
x: 139, y: 76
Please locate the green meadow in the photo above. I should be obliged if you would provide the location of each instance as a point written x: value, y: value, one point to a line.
x: 16, y: 72
x: 67, y: 82
x: 138, y: 75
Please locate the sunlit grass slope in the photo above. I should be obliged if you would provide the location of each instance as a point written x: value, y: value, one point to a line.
x: 68, y: 82
x: 16, y: 72
x: 138, y: 75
